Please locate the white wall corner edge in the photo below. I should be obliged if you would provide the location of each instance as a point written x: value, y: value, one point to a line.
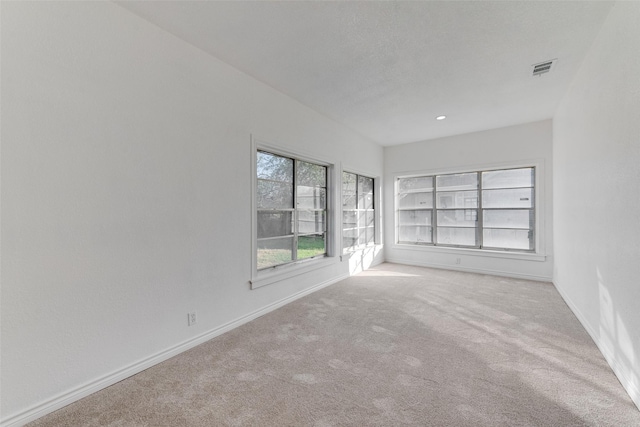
x: 500, y: 273
x: 63, y: 399
x: 609, y: 355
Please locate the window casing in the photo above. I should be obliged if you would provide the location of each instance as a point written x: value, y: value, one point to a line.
x: 492, y: 209
x: 358, y: 211
x: 291, y: 203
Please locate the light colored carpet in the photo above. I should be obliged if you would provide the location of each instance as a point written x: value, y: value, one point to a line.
x: 395, y: 345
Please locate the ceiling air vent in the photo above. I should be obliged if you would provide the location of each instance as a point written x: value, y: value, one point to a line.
x: 543, y: 67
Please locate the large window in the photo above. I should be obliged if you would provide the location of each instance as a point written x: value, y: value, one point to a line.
x: 483, y: 209
x: 291, y: 202
x: 358, y: 215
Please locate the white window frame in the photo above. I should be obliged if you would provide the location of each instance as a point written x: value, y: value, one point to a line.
x: 538, y: 254
x: 281, y: 272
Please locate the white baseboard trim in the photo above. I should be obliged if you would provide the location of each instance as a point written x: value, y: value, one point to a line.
x: 63, y: 399
x: 609, y: 354
x: 470, y: 270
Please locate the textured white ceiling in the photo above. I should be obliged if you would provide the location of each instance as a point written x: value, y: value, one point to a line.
x: 386, y: 69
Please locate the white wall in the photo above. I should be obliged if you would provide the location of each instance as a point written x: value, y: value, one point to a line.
x: 126, y: 197
x: 596, y: 151
x: 515, y: 145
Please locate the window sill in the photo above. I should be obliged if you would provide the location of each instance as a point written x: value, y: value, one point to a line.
x: 283, y: 272
x: 526, y: 256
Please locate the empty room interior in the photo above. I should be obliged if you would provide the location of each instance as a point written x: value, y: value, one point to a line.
x: 320, y: 213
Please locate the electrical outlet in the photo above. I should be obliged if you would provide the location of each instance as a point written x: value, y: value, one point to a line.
x: 457, y: 260
x: 191, y: 318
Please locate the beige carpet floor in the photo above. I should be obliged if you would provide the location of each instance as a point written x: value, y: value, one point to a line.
x: 395, y: 345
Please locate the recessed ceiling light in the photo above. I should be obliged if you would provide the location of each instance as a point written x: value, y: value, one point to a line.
x: 441, y: 117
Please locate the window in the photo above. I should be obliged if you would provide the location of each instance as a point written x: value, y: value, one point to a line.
x: 508, y: 209
x: 484, y: 209
x: 358, y: 214
x: 291, y: 202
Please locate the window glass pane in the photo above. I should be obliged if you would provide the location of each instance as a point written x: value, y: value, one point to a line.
x: 509, y: 178
x: 370, y: 235
x: 274, y: 195
x: 457, y: 236
x: 349, y: 182
x: 415, y: 200
x: 349, y: 190
x: 512, y: 198
x: 350, y: 238
x: 508, y: 239
x: 312, y: 197
x: 309, y: 174
x: 457, y: 199
x: 370, y: 218
x: 311, y: 222
x: 412, y: 184
x: 512, y: 218
x: 309, y: 246
x: 275, y: 168
x: 457, y: 181
x: 349, y: 219
x: 275, y: 223
x: 414, y: 234
x: 458, y: 218
x: 274, y: 251
x: 366, y: 219
x: 349, y: 201
x: 365, y: 193
x: 414, y: 217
